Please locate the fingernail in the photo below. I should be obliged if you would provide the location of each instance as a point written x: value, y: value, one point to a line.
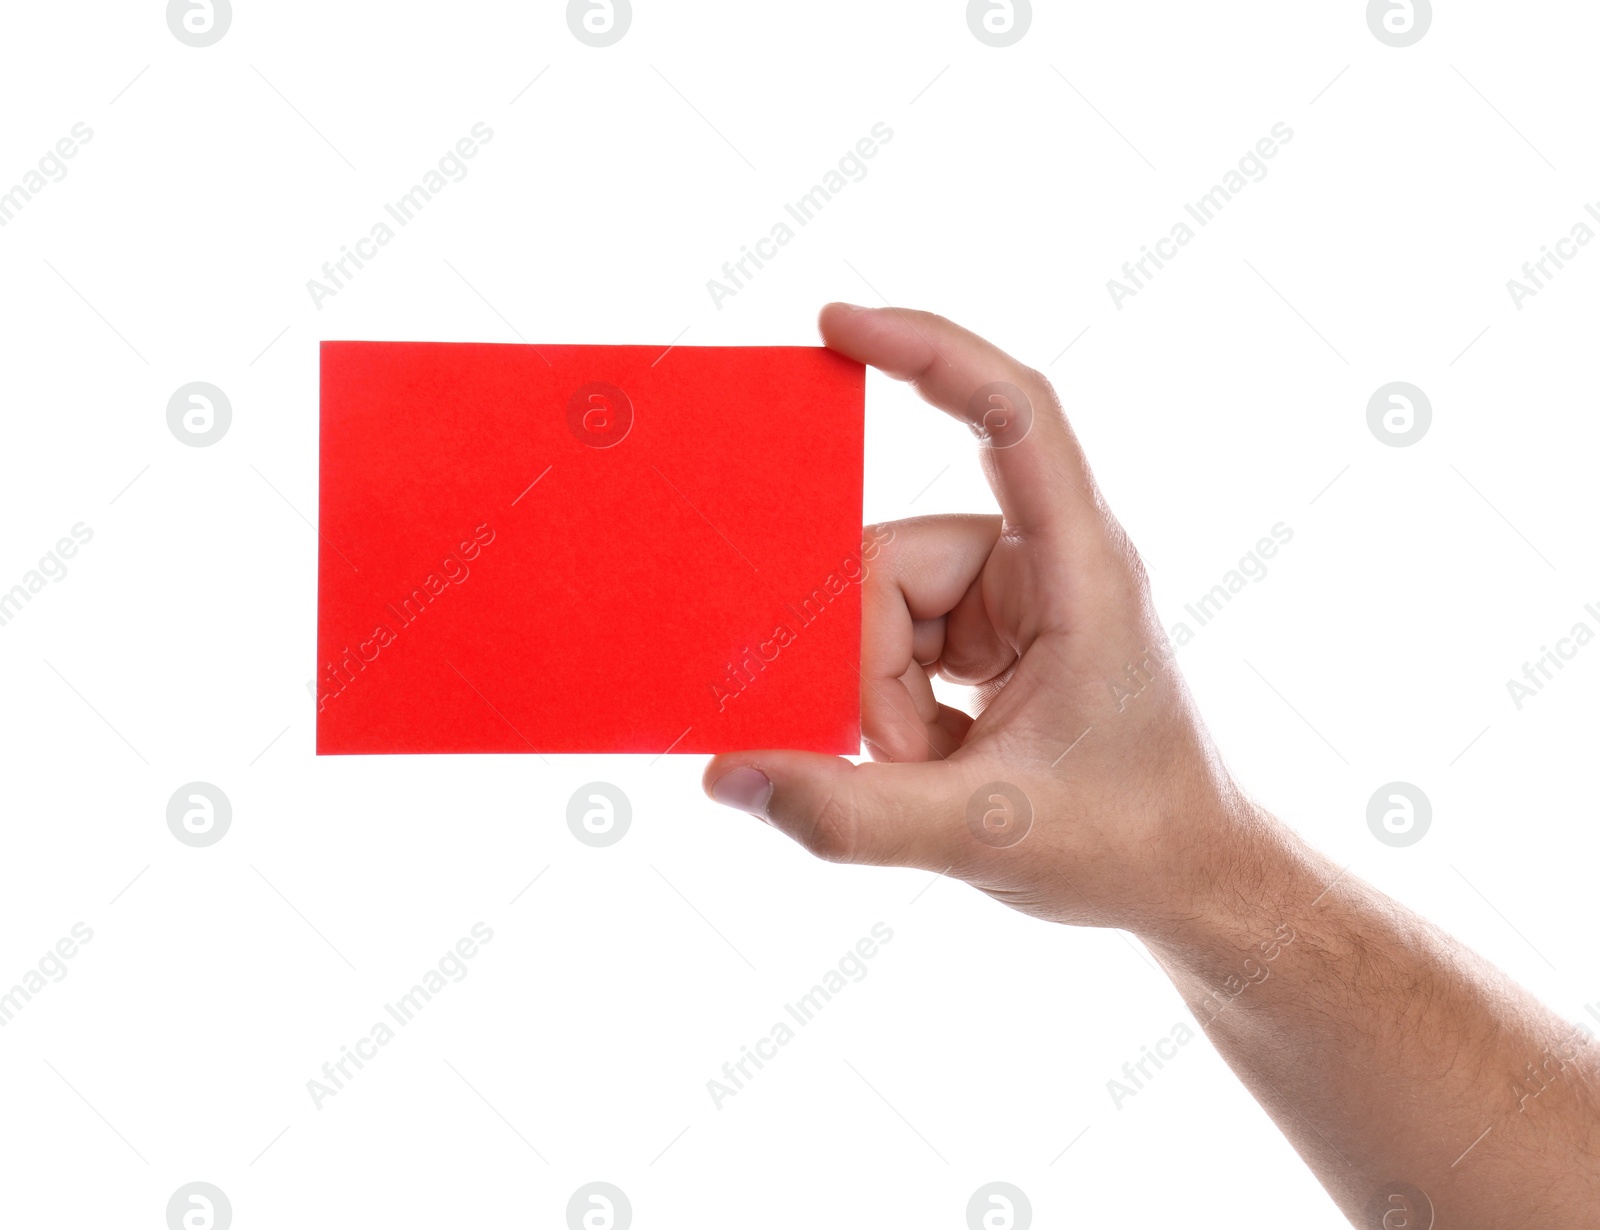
x: 747, y: 789
x: 851, y: 307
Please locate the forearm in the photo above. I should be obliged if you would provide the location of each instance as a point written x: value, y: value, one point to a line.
x: 1386, y: 1051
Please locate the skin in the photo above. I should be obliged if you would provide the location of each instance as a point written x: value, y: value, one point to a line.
x: 1383, y: 1049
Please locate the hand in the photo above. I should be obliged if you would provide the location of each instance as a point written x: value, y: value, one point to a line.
x: 1085, y: 788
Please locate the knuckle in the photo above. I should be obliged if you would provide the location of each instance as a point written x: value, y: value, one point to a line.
x: 1037, y: 382
x: 833, y: 831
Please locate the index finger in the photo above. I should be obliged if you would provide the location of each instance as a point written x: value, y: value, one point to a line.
x: 1029, y: 452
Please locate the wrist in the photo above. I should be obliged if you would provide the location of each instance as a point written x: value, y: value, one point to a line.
x: 1235, y: 878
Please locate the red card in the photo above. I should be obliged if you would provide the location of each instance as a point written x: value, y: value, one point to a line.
x: 589, y: 549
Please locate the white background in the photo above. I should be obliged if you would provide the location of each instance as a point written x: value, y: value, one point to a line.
x: 178, y: 646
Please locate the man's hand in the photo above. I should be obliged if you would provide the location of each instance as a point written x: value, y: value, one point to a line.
x: 1422, y: 1086
x: 1082, y: 789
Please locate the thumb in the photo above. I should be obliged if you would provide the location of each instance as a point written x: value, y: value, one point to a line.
x: 889, y: 814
